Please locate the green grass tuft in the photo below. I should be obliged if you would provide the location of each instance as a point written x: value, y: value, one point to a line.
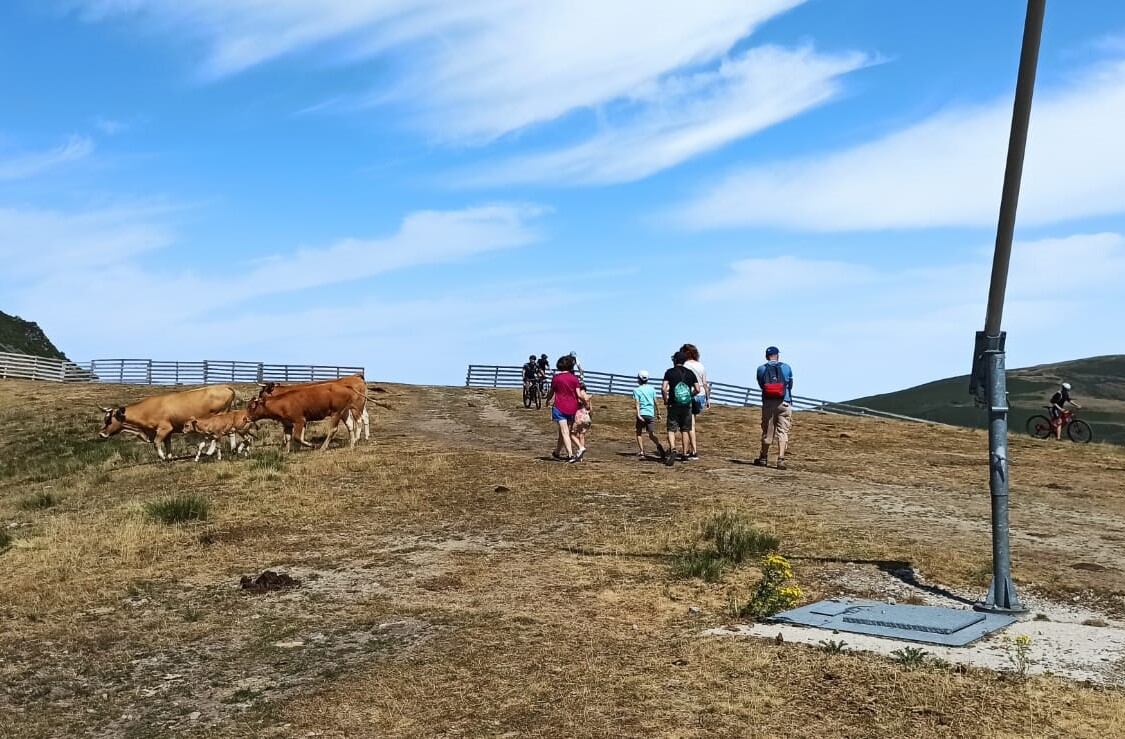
x: 705, y: 565
x: 178, y: 509
x: 40, y: 501
x: 736, y: 539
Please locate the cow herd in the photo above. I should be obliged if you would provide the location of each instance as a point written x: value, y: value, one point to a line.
x: 206, y: 412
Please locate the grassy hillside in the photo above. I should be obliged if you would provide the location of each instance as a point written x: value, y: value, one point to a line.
x: 1099, y: 386
x: 457, y: 582
x: 25, y: 337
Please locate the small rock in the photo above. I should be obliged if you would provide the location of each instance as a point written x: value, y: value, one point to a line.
x: 1095, y: 622
x: 695, y: 610
x: 503, y: 489
x: 194, y: 715
x: 289, y: 644
x: 892, y: 601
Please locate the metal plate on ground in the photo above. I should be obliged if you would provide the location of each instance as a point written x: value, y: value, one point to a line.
x: 953, y: 627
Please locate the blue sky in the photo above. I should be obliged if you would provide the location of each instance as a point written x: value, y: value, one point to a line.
x: 413, y: 186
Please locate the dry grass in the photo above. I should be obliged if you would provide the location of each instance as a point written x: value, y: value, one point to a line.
x: 454, y: 583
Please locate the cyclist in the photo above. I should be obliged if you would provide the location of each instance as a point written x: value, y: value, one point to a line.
x: 1058, y: 408
x: 544, y: 365
x: 530, y: 373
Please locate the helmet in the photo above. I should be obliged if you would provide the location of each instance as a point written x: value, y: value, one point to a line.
x: 532, y: 357
x: 1066, y: 386
x: 772, y: 350
x: 573, y: 354
x: 543, y: 356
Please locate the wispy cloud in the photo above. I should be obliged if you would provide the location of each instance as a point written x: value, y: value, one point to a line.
x: 469, y: 71
x: 944, y: 171
x: 19, y: 165
x: 63, y: 267
x: 864, y: 328
x: 686, y: 114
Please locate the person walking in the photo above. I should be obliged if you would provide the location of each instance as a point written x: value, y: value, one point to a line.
x: 578, y: 366
x: 563, y: 398
x: 582, y: 419
x: 701, y: 401
x: 679, y: 387
x: 644, y: 395
x: 775, y: 379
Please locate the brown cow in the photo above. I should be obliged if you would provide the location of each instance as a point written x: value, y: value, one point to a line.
x: 156, y: 418
x: 356, y: 423
x: 235, y: 424
x: 295, y: 406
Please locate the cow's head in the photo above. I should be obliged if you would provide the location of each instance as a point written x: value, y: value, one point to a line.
x: 191, y: 426
x: 267, y: 388
x: 113, y: 423
x: 255, y: 409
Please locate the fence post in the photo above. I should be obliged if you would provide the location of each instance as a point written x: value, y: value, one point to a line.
x: 496, y: 376
x: 468, y: 375
x: 205, y: 368
x: 121, y: 371
x: 610, y: 391
x: 62, y: 371
x: 260, y: 373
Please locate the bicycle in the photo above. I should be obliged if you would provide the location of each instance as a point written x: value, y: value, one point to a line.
x: 532, y: 394
x: 1077, y: 430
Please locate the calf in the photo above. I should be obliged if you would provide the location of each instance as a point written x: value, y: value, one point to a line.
x: 235, y: 424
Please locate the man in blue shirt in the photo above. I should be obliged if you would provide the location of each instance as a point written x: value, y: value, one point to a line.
x: 775, y: 379
x: 645, y: 397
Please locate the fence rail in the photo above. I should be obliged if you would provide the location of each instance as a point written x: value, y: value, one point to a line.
x: 156, y: 372
x: 605, y: 383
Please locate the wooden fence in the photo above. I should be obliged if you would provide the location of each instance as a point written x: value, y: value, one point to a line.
x: 605, y: 383
x: 155, y: 372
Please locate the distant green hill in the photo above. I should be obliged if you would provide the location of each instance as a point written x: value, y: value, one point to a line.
x: 25, y: 337
x: 1099, y: 387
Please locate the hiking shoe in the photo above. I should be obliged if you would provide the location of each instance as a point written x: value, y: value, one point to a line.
x: 693, y: 457
x: 759, y: 462
x: 581, y: 453
x: 781, y: 464
x: 558, y: 456
x: 660, y: 451
x: 573, y: 460
x: 642, y: 455
x: 670, y: 458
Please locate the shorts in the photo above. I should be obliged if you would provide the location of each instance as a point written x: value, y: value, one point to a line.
x: 698, y: 404
x: 646, y: 423
x: 777, y: 419
x: 557, y: 415
x: 679, y: 418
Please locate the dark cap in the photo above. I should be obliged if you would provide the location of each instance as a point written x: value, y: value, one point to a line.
x: 678, y: 358
x: 771, y: 351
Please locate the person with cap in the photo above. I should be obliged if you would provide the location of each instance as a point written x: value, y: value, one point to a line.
x: 775, y: 379
x: 644, y: 395
x: 679, y: 387
x: 578, y: 366
x: 1058, y: 407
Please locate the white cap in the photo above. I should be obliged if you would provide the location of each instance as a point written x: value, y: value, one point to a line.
x: 1066, y: 386
x: 642, y: 375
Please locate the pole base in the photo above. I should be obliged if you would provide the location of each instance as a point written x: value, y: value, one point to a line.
x: 1002, y: 599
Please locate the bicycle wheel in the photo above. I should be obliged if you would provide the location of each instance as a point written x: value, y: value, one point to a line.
x: 1080, y: 432
x: 526, y: 396
x: 1039, y: 427
x: 538, y: 398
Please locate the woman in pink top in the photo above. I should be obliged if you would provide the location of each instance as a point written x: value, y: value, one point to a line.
x: 565, y: 387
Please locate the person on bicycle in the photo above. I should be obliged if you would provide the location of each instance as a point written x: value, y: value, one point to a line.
x: 1058, y: 405
x: 544, y: 366
x: 530, y: 373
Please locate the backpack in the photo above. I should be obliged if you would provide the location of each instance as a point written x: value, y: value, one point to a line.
x: 681, y: 393
x: 773, y: 386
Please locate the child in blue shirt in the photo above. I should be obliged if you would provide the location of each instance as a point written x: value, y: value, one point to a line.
x: 645, y: 397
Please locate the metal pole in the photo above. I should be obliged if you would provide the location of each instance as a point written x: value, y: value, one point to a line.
x: 1002, y: 595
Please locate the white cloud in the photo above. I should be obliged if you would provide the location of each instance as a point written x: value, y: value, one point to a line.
x: 64, y: 268
x: 683, y: 115
x: 944, y: 171
x: 35, y: 243
x: 472, y: 70
x: 28, y: 164
x: 852, y: 329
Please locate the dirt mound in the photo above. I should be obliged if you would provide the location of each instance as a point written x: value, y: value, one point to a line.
x: 267, y: 581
